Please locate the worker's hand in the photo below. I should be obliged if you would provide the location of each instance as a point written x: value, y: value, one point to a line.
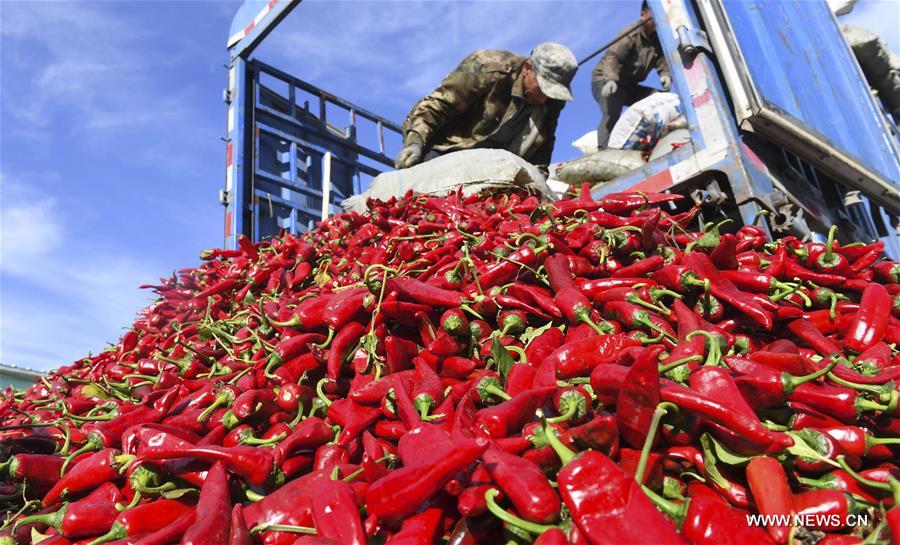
x: 666, y: 82
x: 410, y: 156
x: 609, y: 88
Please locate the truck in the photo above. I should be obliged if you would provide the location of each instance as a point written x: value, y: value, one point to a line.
x: 781, y: 120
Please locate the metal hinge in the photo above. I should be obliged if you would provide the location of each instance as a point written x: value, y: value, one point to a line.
x: 691, y: 41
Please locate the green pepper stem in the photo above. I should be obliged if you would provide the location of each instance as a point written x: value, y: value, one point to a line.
x: 92, y: 443
x: 518, y: 350
x: 320, y: 393
x: 650, y: 306
x: 571, y: 411
x: 658, y: 415
x: 669, y: 366
x: 266, y: 527
x: 490, y: 496
x: 714, y: 354
x: 829, y: 254
x: 327, y: 340
x: 868, y: 482
x: 221, y: 399
x: 493, y: 389
x: 791, y: 382
x: 565, y: 453
x: 675, y: 511
x: 855, y: 386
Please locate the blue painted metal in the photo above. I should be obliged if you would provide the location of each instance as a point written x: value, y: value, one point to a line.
x: 279, y: 130
x: 802, y: 69
x: 254, y: 20
x: 744, y: 166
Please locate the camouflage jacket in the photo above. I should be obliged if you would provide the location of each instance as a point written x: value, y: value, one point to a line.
x: 473, y: 103
x: 630, y: 59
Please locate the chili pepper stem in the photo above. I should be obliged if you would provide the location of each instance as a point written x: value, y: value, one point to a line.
x: 266, y: 527
x: 91, y: 444
x: 50, y: 519
x: 650, y: 306
x: 490, y: 496
x: 879, y: 390
x: 220, y: 400
x: 565, y: 453
x: 668, y: 367
x: 791, y: 382
x: 522, y: 357
x: 658, y: 415
x: 867, y: 482
x: 674, y: 511
x: 493, y: 389
x: 320, y: 393
x: 327, y: 340
x: 571, y: 411
x: 714, y: 354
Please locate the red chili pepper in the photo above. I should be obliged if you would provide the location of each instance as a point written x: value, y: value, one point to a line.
x: 772, y: 494
x: 309, y: 434
x: 638, y: 398
x: 841, y: 403
x: 335, y: 514
x: 888, y: 271
x: 536, y: 295
x: 807, y: 332
x: 722, y: 288
x: 638, y: 317
x: 870, y: 323
x: 707, y: 520
x: 504, y: 270
x: 716, y: 411
x: 524, y: 484
x: 352, y: 417
x: 400, y: 493
x: 252, y: 464
x: 341, y: 347
x: 763, y: 387
x: 792, y: 269
x: 144, y: 519
x: 78, y: 519
x: 509, y: 416
x: 426, y: 294
x: 39, y: 470
x: 87, y: 473
x: 829, y: 510
x: 617, y: 512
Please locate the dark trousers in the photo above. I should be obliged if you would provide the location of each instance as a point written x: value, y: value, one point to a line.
x: 611, y: 106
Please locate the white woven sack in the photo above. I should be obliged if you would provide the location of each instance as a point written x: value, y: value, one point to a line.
x: 473, y: 170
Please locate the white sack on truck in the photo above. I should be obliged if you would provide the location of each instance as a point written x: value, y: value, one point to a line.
x: 587, y: 143
x: 602, y: 166
x: 474, y: 170
x: 645, y: 121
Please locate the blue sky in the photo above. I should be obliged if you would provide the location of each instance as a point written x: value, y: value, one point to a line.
x: 111, y: 113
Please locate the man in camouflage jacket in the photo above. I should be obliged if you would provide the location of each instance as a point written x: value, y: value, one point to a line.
x: 615, y: 80
x: 493, y: 99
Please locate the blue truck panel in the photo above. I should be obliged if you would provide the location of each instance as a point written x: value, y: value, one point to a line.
x: 802, y: 69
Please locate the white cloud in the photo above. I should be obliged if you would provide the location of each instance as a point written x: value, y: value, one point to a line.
x: 61, y: 298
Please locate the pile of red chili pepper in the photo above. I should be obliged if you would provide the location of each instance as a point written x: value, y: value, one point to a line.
x: 484, y: 369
